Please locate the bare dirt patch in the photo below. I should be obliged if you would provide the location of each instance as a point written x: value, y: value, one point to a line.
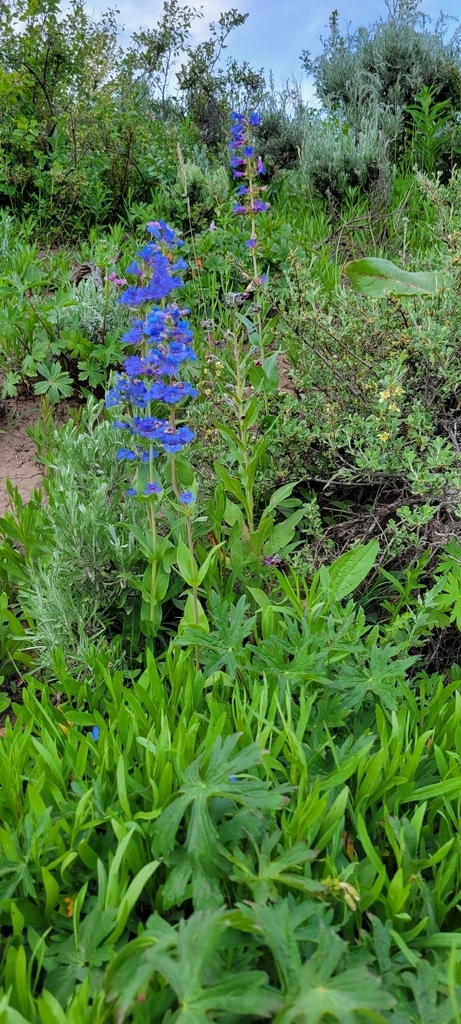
x: 17, y: 450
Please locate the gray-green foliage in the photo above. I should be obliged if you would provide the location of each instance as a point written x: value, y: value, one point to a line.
x: 73, y: 583
x: 388, y: 63
x: 90, y: 314
x: 205, y: 186
x: 335, y: 157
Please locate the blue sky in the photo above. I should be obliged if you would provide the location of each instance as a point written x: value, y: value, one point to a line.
x: 276, y: 31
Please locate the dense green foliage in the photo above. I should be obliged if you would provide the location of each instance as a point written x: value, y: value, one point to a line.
x: 230, y: 737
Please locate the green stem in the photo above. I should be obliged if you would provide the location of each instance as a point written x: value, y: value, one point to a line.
x: 153, y: 578
x: 106, y: 307
x: 153, y: 527
x: 191, y: 549
x: 239, y: 391
x: 174, y: 482
x: 252, y: 196
x: 194, y: 588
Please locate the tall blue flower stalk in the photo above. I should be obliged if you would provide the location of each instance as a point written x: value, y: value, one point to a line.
x: 249, y: 167
x: 149, y: 390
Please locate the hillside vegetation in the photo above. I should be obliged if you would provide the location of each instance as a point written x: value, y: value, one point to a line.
x: 230, y: 658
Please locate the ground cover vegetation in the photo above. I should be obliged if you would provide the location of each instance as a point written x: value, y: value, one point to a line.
x: 230, y: 667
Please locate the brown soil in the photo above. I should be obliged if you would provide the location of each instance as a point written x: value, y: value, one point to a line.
x: 17, y: 450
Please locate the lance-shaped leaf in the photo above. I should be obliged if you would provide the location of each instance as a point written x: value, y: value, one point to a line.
x: 380, y: 278
x: 351, y: 568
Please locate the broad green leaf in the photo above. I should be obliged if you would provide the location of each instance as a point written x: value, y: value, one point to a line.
x: 282, y: 534
x: 379, y: 278
x: 350, y: 569
x: 186, y: 564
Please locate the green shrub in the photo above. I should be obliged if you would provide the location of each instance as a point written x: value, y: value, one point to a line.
x: 336, y: 158
x: 387, y: 64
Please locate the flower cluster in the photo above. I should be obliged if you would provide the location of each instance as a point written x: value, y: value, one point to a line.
x: 155, y: 266
x: 163, y: 343
x: 245, y: 164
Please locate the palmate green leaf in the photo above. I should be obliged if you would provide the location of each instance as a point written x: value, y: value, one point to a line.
x: 263, y: 876
x: 222, y: 778
x: 69, y: 961
x: 55, y: 382
x: 379, y: 278
x: 187, y: 959
x: 380, y: 675
x: 244, y: 992
x: 321, y: 989
x: 223, y: 646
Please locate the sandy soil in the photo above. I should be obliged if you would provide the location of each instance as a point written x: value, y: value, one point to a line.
x: 17, y: 451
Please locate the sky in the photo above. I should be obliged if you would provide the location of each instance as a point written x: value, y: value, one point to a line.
x: 276, y: 31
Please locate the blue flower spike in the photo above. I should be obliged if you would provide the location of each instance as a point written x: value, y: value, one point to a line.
x: 162, y: 340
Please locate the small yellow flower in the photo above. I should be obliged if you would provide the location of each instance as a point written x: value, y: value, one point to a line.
x: 394, y: 407
x: 384, y: 436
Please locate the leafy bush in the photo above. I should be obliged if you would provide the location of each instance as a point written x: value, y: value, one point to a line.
x: 205, y: 189
x: 75, y: 584
x: 387, y: 64
x: 336, y: 158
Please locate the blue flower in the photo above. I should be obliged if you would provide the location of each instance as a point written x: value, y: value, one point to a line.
x: 131, y: 492
x: 254, y: 120
x: 166, y: 339
x: 163, y: 232
x: 176, y: 392
x: 186, y: 498
x: 157, y: 392
x: 134, y: 335
x: 125, y: 453
x: 148, y: 427
x: 152, y: 488
x: 148, y: 455
x: 185, y: 435
x: 133, y: 268
x: 134, y: 366
x: 95, y: 732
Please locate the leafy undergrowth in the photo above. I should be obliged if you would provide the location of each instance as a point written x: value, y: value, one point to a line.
x: 274, y: 835
x: 230, y: 775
